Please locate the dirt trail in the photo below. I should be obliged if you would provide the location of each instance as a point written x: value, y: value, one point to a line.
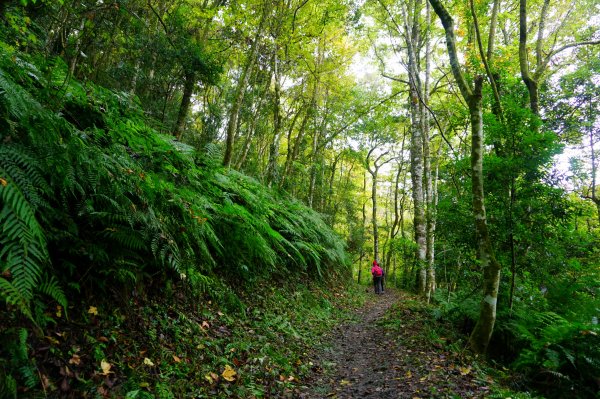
x: 367, y: 360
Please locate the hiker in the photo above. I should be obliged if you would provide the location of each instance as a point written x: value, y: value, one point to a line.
x: 377, y: 272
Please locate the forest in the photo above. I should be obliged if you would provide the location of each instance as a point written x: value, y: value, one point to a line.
x: 193, y: 193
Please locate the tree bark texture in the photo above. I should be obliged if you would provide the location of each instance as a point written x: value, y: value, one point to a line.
x: 482, y: 333
x: 412, y: 33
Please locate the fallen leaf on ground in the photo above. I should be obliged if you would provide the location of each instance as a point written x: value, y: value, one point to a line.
x: 75, y: 360
x: 93, y: 310
x: 229, y: 373
x: 148, y: 362
x: 105, y: 366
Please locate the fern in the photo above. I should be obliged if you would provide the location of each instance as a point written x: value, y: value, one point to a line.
x: 23, y: 250
x: 15, y: 365
x: 51, y: 287
x: 17, y: 102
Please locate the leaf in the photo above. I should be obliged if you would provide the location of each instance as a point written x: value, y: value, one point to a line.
x: 75, y: 359
x: 52, y: 340
x: 408, y: 374
x: 465, y: 370
x: 148, y: 362
x: 176, y: 359
x: 3, y: 182
x: 229, y: 373
x: 105, y: 366
x: 211, y: 378
x: 344, y: 382
x: 93, y: 310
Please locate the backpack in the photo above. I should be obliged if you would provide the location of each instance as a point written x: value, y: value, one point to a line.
x: 378, y: 271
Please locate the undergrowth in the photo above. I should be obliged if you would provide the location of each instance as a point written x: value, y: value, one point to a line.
x: 174, y: 346
x: 100, y: 213
x: 547, y: 353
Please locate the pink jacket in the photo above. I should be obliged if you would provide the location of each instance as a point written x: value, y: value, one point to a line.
x: 376, y: 271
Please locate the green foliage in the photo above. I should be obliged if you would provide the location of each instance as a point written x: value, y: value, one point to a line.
x: 95, y: 202
x: 16, y: 369
x: 558, y: 350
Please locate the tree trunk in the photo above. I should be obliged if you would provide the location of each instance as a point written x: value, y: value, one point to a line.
x: 272, y: 168
x: 430, y: 192
x: 287, y: 168
x: 374, y: 171
x: 363, y: 226
x: 239, y: 96
x: 313, y: 169
x: 78, y: 41
x: 374, y: 214
x: 186, y: 100
x: 235, y: 111
x: 531, y: 81
x: 482, y: 333
x: 416, y: 171
x: 248, y: 140
x: 480, y: 337
x: 316, y: 157
x: 412, y: 34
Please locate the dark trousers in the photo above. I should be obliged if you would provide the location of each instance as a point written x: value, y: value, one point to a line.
x: 377, y: 284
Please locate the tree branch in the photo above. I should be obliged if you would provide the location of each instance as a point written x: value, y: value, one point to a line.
x: 448, y: 24
x: 358, y: 116
x: 485, y: 63
x: 394, y: 78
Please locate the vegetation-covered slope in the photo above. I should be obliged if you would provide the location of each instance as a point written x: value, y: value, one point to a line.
x: 96, y: 203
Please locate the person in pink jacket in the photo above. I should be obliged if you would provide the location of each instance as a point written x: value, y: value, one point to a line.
x: 377, y: 273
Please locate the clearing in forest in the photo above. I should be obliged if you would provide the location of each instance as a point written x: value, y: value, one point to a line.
x: 387, y: 353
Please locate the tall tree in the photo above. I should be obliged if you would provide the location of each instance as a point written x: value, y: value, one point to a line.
x: 373, y: 170
x: 472, y: 94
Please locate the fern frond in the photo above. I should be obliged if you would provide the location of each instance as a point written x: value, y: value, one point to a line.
x: 14, y: 297
x: 8, y: 386
x: 29, y: 374
x: 51, y: 288
x: 213, y: 152
x: 126, y: 237
x: 22, y: 240
x: 25, y: 171
x: 18, y: 102
x: 16, y: 209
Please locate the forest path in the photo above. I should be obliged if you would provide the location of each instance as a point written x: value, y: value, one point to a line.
x: 370, y: 358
